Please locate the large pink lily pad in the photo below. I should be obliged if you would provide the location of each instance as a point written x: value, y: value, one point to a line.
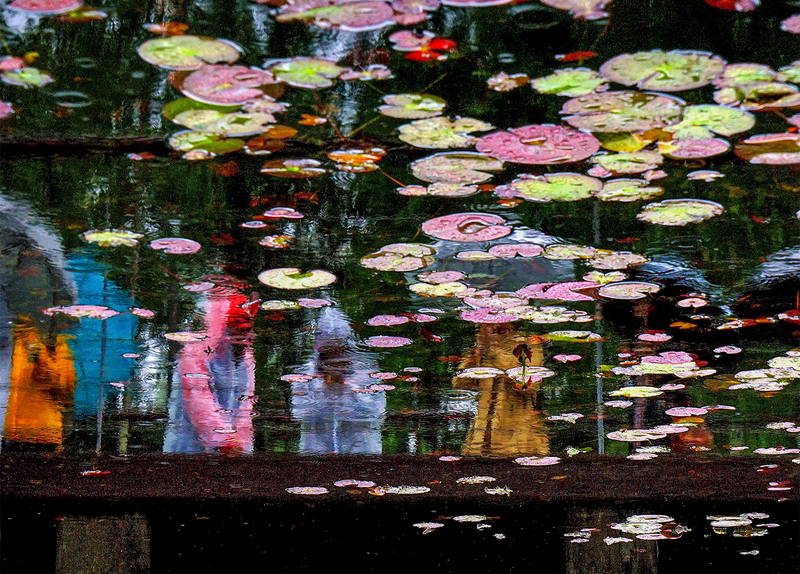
x: 558, y: 291
x: 45, y: 6
x: 467, y: 227
x: 225, y: 85
x: 175, y: 245
x: 539, y: 144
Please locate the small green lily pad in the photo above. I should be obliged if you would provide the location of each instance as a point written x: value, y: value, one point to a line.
x: 442, y: 133
x: 627, y: 163
x: 455, y: 167
x: 708, y: 118
x: 551, y: 187
x: 662, y: 71
x: 233, y: 124
x: 575, y: 336
x: 309, y: 73
x: 790, y: 73
x: 678, y: 212
x: 293, y: 278
x: 628, y: 290
x: 212, y: 144
x: 570, y: 82
x: 412, y: 106
x: 188, y: 52
x: 175, y: 107
x: 112, y: 237
x: 26, y: 77
x: 627, y: 190
x: 560, y: 251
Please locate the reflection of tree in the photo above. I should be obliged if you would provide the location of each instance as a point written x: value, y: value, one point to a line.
x: 508, y: 422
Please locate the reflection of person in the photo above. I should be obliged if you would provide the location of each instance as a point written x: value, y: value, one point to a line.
x: 336, y: 412
x: 211, y: 406
x: 508, y: 422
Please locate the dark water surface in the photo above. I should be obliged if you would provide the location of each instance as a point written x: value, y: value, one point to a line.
x: 299, y: 381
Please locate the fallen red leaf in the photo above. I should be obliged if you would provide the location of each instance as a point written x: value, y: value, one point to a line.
x: 575, y: 56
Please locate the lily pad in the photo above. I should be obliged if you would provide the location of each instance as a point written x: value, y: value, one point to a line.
x: 455, y: 167
x: 175, y: 245
x: 549, y: 314
x: 225, y: 85
x: 570, y: 82
x: 677, y: 212
x: 293, y: 168
x: 176, y: 107
x: 227, y: 124
x: 350, y: 16
x: 447, y: 289
x: 188, y: 52
x: 386, y: 342
x: 537, y: 460
x: 613, y: 112
x: 442, y: 133
x: 550, y: 187
x: 581, y: 9
x: 539, y: 144
x: 700, y: 121
x: 628, y: 162
x: 78, y: 311
x: 567, y: 291
x: 309, y: 73
x: 513, y: 250
x: 603, y: 259
x: 467, y: 227
x: 486, y: 315
x: 293, y: 278
x: 438, y: 277
x: 628, y: 290
x: 400, y: 257
x: 560, y: 251
x: 662, y: 71
x: 694, y: 148
x: 575, y: 336
x: 636, y: 435
x: 45, y: 6
x: 790, y: 73
x: 26, y: 77
x: 503, y: 82
x: 480, y: 373
x: 282, y: 213
x: 626, y: 190
x: 773, y: 149
x: 210, y: 144
x: 412, y: 106
x: 112, y: 237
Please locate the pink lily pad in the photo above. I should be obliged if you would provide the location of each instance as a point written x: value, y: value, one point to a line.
x: 654, y: 337
x: 282, y: 213
x: 90, y: 311
x: 387, y: 320
x: 581, y: 9
x: 383, y: 376
x: 6, y: 110
x: 566, y: 358
x: 467, y: 227
x: 296, y: 378
x: 437, y: 277
x: 560, y: 291
x: 175, y: 245
x: 539, y: 144
x: 225, y: 85
x: 685, y: 412
x: 253, y: 225
x: 791, y: 24
x: 512, y: 250
x: 771, y: 149
x: 694, y: 149
x: 385, y: 341
x: 45, y: 6
x: 487, y: 315
x: 537, y: 460
x: 313, y: 303
x: 142, y: 313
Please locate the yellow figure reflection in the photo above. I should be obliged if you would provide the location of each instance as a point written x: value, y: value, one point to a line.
x: 42, y: 382
x: 509, y: 422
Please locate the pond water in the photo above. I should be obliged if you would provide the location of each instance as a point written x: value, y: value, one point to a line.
x: 363, y: 299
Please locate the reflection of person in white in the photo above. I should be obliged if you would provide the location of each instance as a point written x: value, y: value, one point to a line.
x: 217, y: 382
x: 337, y: 413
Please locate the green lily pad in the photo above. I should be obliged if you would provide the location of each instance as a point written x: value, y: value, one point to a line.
x: 623, y: 141
x: 112, y: 237
x: 350, y: 16
x: 26, y: 77
x: 188, y: 52
x: 760, y: 96
x: 447, y: 289
x: 742, y: 74
x: 790, y: 73
x: 628, y: 190
x: 603, y: 259
x: 175, y: 107
x: 637, y: 392
x: 622, y: 111
x: 549, y: 314
x: 626, y: 163
x: 293, y: 168
x: 412, y: 106
x: 455, y: 167
x: 559, y: 251
x: 400, y: 257
x: 309, y: 73
x: 662, y: 71
x: 774, y: 149
x: 628, y: 290
x: 700, y: 121
x: 293, y: 278
x: 212, y: 144
x: 442, y: 133
x: 677, y: 212
x: 574, y: 336
x: 227, y: 124
x: 551, y: 187
x: 570, y: 82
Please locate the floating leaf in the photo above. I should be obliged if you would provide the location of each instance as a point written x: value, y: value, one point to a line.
x: 575, y: 336
x: 276, y: 241
x: 455, y: 167
x: 581, y: 9
x: 112, y: 237
x: 502, y: 82
x: 350, y: 16
x: 694, y: 148
x: 185, y: 336
x: 622, y: 111
x: 662, y: 71
x: 603, y: 259
x: 26, y: 77
x: 791, y: 24
x: 90, y: 311
x: 628, y: 290
x: 293, y: 168
x: 539, y: 144
x: 467, y: 227
x: 567, y: 291
x: 45, y: 6
x: 307, y: 490
x: 448, y: 289
x: 399, y: 257
x: 208, y: 145
x: 371, y: 72
x: 437, y: 277
x: 636, y: 435
x: 480, y: 373
x: 442, y: 133
x: 514, y: 250
x: 550, y: 187
x: 293, y: 278
x: 790, y: 73
x: 175, y: 107
x: 310, y: 73
x: 565, y: 251
x: 385, y: 341
x: 226, y: 124
x: 357, y: 160
x: 6, y: 110
x: 549, y: 314
x: 704, y: 119
x: 677, y: 212
x: 428, y: 527
x: 570, y: 82
x: 282, y: 213
x: 475, y: 479
x: 627, y: 190
x: 225, y: 85
x: 628, y: 163
x: 387, y: 320
x: 175, y: 245
x: 771, y: 149
x: 685, y: 412
x: 188, y: 52
x: 412, y: 106
x: 537, y: 460
x: 486, y: 315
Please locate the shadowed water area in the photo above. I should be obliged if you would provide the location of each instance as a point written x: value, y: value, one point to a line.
x: 400, y: 287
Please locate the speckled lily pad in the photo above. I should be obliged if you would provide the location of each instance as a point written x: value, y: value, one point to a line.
x: 455, y: 167
x: 622, y: 111
x: 677, y: 212
x: 188, y: 52
x: 627, y: 190
x: 225, y: 85
x: 26, y: 77
x: 790, y: 73
x: 691, y: 148
x: 467, y: 227
x: 442, y: 133
x: 231, y: 124
x: 550, y: 187
x: 310, y: 73
x: 702, y: 121
x: 662, y: 71
x: 412, y: 106
x: 539, y: 144
x: 570, y: 82
x: 350, y: 16
x: 628, y: 163
x: 399, y: 257
x: 293, y: 278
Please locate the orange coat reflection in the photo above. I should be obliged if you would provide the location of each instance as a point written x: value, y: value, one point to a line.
x: 42, y: 383
x: 508, y: 422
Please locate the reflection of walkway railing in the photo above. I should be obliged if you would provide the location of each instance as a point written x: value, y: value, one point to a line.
x: 508, y: 422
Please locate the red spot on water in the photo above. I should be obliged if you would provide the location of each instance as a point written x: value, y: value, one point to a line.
x: 575, y: 56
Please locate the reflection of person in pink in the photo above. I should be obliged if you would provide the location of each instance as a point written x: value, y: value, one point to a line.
x: 217, y: 381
